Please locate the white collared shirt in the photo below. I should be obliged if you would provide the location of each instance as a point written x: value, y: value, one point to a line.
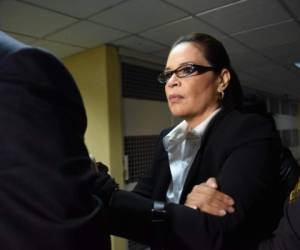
x: 182, y: 146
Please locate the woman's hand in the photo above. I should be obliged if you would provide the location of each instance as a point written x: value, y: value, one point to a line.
x: 208, y: 199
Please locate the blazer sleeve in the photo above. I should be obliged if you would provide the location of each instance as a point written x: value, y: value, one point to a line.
x: 145, y: 185
x: 129, y: 216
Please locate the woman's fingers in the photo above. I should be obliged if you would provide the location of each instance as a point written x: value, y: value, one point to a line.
x: 212, y: 182
x: 208, y: 199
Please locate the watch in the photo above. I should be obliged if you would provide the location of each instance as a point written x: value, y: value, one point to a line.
x: 158, y: 211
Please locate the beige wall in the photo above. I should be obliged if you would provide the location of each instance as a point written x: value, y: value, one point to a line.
x: 145, y: 117
x: 97, y: 73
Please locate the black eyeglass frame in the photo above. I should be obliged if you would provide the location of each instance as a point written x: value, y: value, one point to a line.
x: 165, y: 76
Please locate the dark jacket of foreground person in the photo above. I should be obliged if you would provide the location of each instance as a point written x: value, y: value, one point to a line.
x: 45, y: 175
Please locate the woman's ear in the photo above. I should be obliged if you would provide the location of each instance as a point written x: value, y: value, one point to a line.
x: 224, y: 79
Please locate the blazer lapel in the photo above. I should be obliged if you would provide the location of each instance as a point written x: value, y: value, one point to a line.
x: 163, y: 179
x: 189, y: 183
x: 196, y: 166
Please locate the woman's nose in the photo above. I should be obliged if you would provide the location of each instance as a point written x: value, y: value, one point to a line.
x: 173, y: 81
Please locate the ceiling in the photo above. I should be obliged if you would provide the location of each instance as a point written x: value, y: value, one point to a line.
x: 261, y: 36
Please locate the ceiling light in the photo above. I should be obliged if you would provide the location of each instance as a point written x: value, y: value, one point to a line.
x: 297, y: 64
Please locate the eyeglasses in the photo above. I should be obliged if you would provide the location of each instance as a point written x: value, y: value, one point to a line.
x: 184, y: 71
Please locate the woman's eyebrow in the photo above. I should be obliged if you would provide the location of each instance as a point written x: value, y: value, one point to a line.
x: 181, y: 64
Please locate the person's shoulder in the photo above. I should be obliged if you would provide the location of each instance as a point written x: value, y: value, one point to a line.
x: 249, y: 126
x: 39, y: 65
x: 165, y: 131
x: 35, y: 66
x: 159, y: 141
x: 38, y: 57
x: 11, y: 48
x: 251, y: 120
x: 29, y: 61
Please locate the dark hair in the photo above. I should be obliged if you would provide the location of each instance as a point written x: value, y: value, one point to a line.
x: 217, y: 56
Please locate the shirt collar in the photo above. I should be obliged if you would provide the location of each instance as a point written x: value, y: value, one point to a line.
x: 180, y: 132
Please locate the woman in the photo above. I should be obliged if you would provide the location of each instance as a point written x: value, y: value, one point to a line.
x: 214, y: 139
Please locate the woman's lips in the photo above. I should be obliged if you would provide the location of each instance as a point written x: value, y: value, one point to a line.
x: 174, y: 98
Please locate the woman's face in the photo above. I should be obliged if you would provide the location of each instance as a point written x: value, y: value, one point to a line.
x: 194, y: 97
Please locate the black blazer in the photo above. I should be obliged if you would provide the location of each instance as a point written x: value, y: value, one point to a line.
x: 45, y: 173
x: 242, y: 152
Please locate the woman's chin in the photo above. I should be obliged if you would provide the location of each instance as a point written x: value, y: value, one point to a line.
x: 179, y: 114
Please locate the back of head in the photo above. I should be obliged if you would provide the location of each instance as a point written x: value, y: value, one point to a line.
x: 217, y: 56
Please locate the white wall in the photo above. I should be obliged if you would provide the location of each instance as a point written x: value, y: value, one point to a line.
x: 288, y: 122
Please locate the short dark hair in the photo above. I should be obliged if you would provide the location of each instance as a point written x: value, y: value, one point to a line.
x: 217, y: 56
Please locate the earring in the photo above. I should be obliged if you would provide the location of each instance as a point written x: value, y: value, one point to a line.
x: 221, y: 95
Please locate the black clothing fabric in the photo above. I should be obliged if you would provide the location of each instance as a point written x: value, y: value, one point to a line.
x: 51, y: 199
x: 287, y: 235
x: 104, y: 185
x: 289, y: 171
x: 45, y: 187
x: 242, y: 152
x: 289, y: 168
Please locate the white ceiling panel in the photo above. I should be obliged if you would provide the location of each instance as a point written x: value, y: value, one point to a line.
x: 29, y: 20
x: 138, y: 58
x: 167, y: 34
x: 139, y: 44
x: 293, y: 81
x: 162, y: 54
x: 196, y: 6
x: 293, y: 6
x: 284, y: 33
x: 271, y: 71
x: 137, y: 15
x: 232, y: 46
x: 248, y: 80
x: 286, y: 54
x: 263, y: 39
x: 261, y: 83
x: 24, y: 39
x: 246, y: 15
x: 248, y: 59
x: 86, y: 34
x: 296, y: 71
x: 58, y: 49
x: 76, y: 8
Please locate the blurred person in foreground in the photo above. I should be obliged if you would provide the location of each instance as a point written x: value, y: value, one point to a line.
x: 46, y: 179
